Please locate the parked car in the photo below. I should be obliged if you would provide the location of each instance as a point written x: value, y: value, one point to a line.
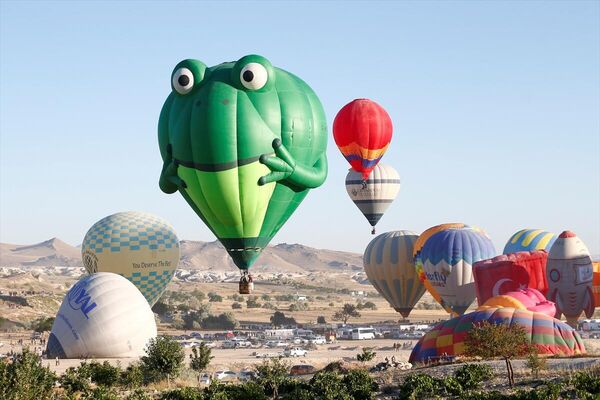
x: 246, y: 375
x: 295, y: 352
x: 204, y: 379
x: 210, y: 345
x: 225, y: 375
x: 302, y: 369
x: 273, y: 343
x: 228, y: 344
x: 318, y: 340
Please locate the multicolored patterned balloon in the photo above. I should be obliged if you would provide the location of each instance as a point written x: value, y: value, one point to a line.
x: 388, y: 262
x: 419, y: 262
x: 448, y: 257
x: 139, y: 246
x: 549, y: 335
x: 529, y: 240
x: 362, y: 130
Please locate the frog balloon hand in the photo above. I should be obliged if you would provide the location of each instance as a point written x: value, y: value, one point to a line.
x: 283, y: 166
x: 169, y: 181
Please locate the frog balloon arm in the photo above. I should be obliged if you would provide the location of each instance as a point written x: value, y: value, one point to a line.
x: 169, y: 181
x: 284, y: 167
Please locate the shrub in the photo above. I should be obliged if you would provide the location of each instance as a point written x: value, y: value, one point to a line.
x: 236, y: 305
x: 163, y: 359
x: 104, y: 374
x: 200, y: 357
x: 244, y: 391
x: 535, y: 363
x: 328, y: 386
x: 252, y: 302
x: 214, y: 297
x: 360, y: 385
x: 25, y: 378
x: 270, y: 375
x: 469, y: 376
x: 186, y: 393
x: 222, y: 321
x: 366, y: 355
x: 265, y: 297
x: 586, y: 383
x: 76, y: 379
x: 417, y: 386
x: 100, y: 393
x: 43, y: 324
x: 138, y: 394
x: 132, y: 376
x: 321, y: 320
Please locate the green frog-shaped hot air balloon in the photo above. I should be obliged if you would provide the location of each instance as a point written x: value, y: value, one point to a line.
x: 243, y: 142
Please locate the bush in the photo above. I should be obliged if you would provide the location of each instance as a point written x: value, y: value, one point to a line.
x: 104, y: 374
x: 321, y: 320
x: 200, y: 357
x: 586, y: 383
x: 236, y: 305
x: 222, y: 321
x: 417, y: 386
x: 214, y: 298
x: 366, y: 355
x: 163, y: 359
x: 535, y: 363
x: 469, y: 376
x: 328, y: 386
x: 100, y: 393
x: 187, y: 393
x: 360, y: 385
x: 252, y: 303
x: 270, y: 375
x: 244, y: 391
x: 132, y: 376
x: 25, y: 378
x: 43, y: 324
x: 76, y: 379
x: 138, y: 394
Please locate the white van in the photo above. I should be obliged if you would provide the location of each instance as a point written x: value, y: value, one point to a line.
x: 363, y: 333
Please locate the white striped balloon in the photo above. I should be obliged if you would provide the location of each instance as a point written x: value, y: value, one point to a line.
x: 373, y: 196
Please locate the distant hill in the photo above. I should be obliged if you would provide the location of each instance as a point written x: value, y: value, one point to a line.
x: 208, y: 256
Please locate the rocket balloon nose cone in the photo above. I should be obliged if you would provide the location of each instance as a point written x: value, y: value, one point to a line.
x: 567, y: 234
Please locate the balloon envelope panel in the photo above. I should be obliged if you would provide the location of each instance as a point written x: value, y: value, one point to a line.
x: 508, y: 272
x: 362, y: 130
x: 139, y: 246
x: 103, y: 315
x: 388, y: 263
x: 448, y: 257
x: 373, y: 196
x: 549, y: 335
x: 529, y: 240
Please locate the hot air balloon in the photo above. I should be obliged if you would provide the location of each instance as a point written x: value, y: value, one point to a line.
x: 549, y: 335
x: 596, y: 283
x: 362, y: 130
x: 139, y: 246
x: 388, y: 262
x: 103, y: 315
x: 448, y: 257
x: 529, y: 240
x: 570, y: 275
x: 524, y: 299
x: 243, y: 142
x: 509, y: 272
x: 419, y: 262
x: 373, y: 196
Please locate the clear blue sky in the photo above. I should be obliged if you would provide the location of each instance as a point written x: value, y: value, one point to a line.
x: 495, y: 106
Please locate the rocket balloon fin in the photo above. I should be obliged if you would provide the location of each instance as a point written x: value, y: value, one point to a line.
x: 589, y: 303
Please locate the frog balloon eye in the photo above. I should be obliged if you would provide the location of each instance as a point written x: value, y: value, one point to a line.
x: 183, y: 80
x: 253, y: 76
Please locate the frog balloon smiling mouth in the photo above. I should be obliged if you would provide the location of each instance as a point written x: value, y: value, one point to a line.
x: 243, y: 142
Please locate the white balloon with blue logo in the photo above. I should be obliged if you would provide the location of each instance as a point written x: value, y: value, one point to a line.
x: 102, y: 316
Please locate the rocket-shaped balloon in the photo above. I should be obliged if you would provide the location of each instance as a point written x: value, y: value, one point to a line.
x: 570, y: 273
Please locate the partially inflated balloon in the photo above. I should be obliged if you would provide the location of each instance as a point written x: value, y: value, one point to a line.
x: 448, y: 257
x: 509, y: 272
x: 103, y: 315
x: 139, y: 246
x: 419, y: 262
x: 388, y: 262
x: 373, y: 196
x: 596, y: 283
x: 362, y: 130
x: 529, y: 240
x: 243, y: 142
x: 547, y: 334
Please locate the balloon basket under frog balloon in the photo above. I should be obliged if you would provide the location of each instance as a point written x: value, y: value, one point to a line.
x: 246, y: 283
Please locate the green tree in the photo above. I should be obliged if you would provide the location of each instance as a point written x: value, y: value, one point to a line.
x: 360, y: 385
x: 132, y: 376
x: 321, y: 320
x: 199, y: 295
x: 271, y: 375
x: 43, y: 324
x: 328, y: 386
x: 163, y: 359
x: 252, y: 302
x: 488, y: 340
x: 200, y: 357
x: 279, y: 319
x: 222, y: 321
x: 265, y: 297
x: 236, y: 306
x: 26, y: 378
x: 161, y: 308
x: 345, y: 313
x: 535, y: 362
x: 104, y: 374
